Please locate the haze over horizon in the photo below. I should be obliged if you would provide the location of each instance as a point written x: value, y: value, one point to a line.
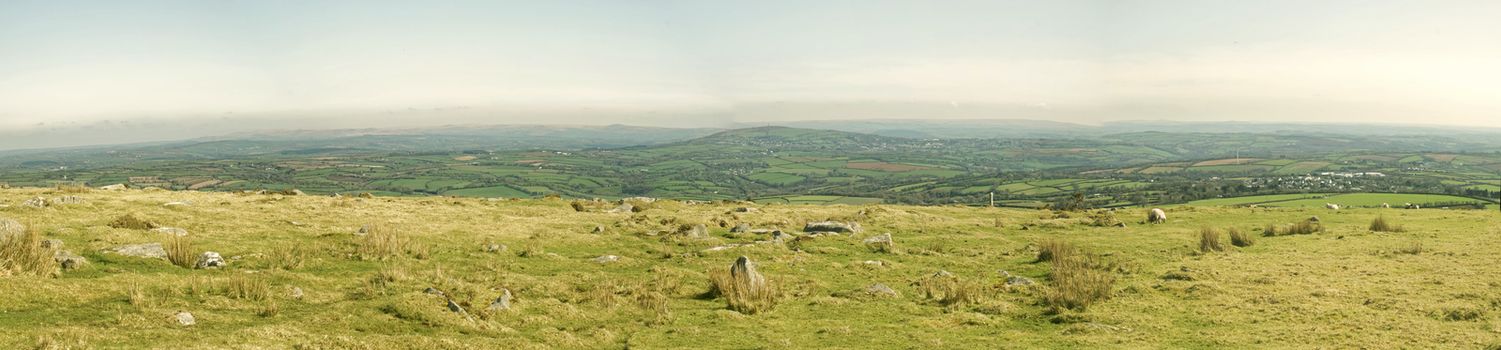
x: 206, y: 68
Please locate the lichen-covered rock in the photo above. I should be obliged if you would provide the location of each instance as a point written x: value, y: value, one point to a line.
x: 210, y: 260
x: 144, y: 250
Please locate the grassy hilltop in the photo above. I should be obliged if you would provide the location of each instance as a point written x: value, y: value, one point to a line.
x: 1433, y: 285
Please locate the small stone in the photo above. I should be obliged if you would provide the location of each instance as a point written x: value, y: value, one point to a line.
x: 364, y: 229
x: 882, y: 243
x: 943, y: 274
x: 69, y: 261
x: 503, y: 302
x: 876, y: 263
x: 171, y: 231
x: 210, y: 260
x: 1012, y: 281
x: 145, y: 250
x: 623, y: 208
x: 830, y: 226
x: 599, y: 229
x: 433, y: 291
x: 176, y: 204
x: 740, y: 228
x: 605, y: 259
x: 881, y: 290
x: 495, y: 248
x: 37, y: 202
x: 1313, y: 219
x: 52, y: 243
x: 297, y: 293
x: 746, y: 210
x: 185, y: 318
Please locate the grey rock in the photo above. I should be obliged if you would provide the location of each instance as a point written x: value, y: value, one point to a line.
x: 746, y: 210
x: 184, y: 318
x: 882, y: 242
x: 434, y: 291
x: 171, y: 231
x: 743, y: 272
x: 599, y: 229
x: 10, y: 227
x: 740, y: 228
x: 297, y: 293
x: 210, y: 260
x: 37, y: 202
x: 364, y: 230
x: 605, y: 259
x: 67, y: 200
x: 828, y: 226
x: 495, y: 248
x: 144, y: 250
x: 695, y: 231
x: 503, y: 302
x: 69, y: 261
x: 1013, y: 281
x: 114, y: 187
x: 623, y: 208
x: 881, y: 290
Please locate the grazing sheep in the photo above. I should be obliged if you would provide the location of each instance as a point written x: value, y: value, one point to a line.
x: 1157, y: 216
x: 1414, y: 206
x: 1331, y: 206
x: 1386, y: 206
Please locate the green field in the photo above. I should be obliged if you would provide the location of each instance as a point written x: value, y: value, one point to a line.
x: 1344, y: 200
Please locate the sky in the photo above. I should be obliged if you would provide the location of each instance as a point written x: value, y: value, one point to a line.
x: 226, y: 65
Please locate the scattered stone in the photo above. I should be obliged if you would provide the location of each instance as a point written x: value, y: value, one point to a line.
x: 52, y: 243
x: 434, y: 291
x: 829, y: 226
x: 943, y: 274
x: 1120, y: 224
x: 693, y: 231
x: 366, y: 195
x: 743, y: 272
x: 882, y: 243
x: 210, y: 260
x: 68, y: 260
x: 1314, y: 219
x: 67, y: 200
x: 176, y: 204
x: 495, y: 248
x: 296, y: 223
x: 740, y: 228
x: 10, y: 227
x: 762, y: 231
x: 453, y: 306
x: 1013, y: 281
x: 881, y: 291
x: 171, y: 231
x: 503, y: 302
x: 185, y: 318
x: 297, y: 293
x: 605, y: 259
x: 778, y: 236
x: 144, y: 250
x: 876, y: 263
x: 746, y: 210
x: 364, y: 229
x: 623, y: 208
x: 599, y: 229
x: 37, y: 202
x: 114, y: 187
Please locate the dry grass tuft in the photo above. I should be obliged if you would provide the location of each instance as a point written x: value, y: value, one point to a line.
x: 1079, y: 280
x: 742, y: 294
x: 180, y: 251
x: 1209, y: 241
x: 1381, y: 225
x: 381, y: 242
x: 246, y: 287
x: 72, y: 188
x: 1300, y: 228
x: 1054, y: 250
x: 23, y: 255
x: 950, y: 290
x: 133, y: 222
x: 1413, y: 248
x: 290, y: 257
x: 1240, y: 238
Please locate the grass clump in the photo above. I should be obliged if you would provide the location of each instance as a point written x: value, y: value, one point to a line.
x: 22, y: 254
x: 132, y: 222
x: 744, y: 289
x: 949, y: 290
x: 1078, y: 282
x: 180, y: 251
x: 1413, y: 248
x: 246, y: 288
x: 1052, y: 250
x: 1240, y: 238
x: 72, y: 188
x: 1301, y: 228
x: 1379, y: 224
x: 381, y: 242
x: 1209, y: 241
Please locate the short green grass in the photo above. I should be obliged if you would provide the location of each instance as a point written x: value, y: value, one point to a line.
x: 1347, y: 287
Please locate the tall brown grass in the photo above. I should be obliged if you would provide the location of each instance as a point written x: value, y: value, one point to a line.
x: 23, y: 255
x: 1052, y: 249
x: 1209, y: 241
x: 1300, y: 228
x: 180, y: 251
x: 1240, y: 238
x: 133, y: 222
x: 742, y: 296
x: 1079, y: 280
x: 1381, y: 225
x: 381, y: 242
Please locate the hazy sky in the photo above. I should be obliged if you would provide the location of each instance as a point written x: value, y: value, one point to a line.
x: 697, y: 62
